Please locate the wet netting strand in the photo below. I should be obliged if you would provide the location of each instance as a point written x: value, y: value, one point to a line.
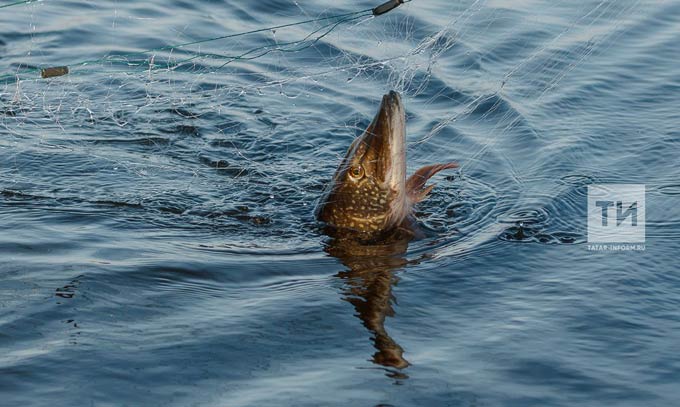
x: 407, y: 71
x: 148, y: 63
x: 17, y: 3
x: 537, y: 71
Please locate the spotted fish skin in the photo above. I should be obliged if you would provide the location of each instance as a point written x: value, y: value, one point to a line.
x: 362, y: 207
x: 369, y: 194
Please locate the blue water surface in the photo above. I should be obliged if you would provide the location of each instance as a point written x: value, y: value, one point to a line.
x: 158, y: 240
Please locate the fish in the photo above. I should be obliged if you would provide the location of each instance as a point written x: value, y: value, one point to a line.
x: 368, y: 210
x: 370, y: 196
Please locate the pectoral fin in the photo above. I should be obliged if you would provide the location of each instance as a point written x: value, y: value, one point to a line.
x: 415, y: 184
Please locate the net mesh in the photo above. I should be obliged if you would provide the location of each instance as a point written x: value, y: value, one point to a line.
x: 166, y: 125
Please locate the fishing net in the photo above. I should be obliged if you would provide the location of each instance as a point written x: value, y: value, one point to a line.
x: 242, y: 130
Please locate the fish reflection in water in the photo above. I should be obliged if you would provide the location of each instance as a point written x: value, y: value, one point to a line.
x: 368, y: 285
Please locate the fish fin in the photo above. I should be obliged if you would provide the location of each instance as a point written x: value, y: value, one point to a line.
x: 426, y: 191
x: 415, y: 184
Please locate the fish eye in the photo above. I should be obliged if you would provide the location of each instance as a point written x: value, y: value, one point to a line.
x: 356, y: 172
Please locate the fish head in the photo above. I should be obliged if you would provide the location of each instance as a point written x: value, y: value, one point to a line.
x: 369, y: 192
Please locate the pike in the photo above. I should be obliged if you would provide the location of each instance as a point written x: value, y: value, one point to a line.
x: 370, y: 196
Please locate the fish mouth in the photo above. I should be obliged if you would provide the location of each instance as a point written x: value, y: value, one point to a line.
x: 385, y: 143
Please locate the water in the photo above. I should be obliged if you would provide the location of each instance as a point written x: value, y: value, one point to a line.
x: 158, y: 239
